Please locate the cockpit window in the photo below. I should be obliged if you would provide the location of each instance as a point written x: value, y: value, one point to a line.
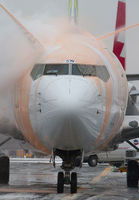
x: 76, y: 70
x: 37, y: 71
x: 99, y: 71
x: 56, y: 69
x: 49, y: 69
x: 91, y: 70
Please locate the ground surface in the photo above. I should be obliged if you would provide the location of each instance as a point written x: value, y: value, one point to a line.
x: 38, y: 181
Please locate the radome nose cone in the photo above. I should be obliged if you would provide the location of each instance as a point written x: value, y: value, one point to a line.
x: 69, y: 91
x: 67, y: 115
x: 67, y: 96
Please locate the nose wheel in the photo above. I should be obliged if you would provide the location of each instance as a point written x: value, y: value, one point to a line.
x: 68, y: 164
x: 73, y: 184
x: 68, y: 180
x: 60, y: 182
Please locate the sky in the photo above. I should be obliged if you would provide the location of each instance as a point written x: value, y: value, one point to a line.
x: 95, y: 16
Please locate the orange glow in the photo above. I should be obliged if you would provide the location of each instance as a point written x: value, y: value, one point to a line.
x: 117, y: 31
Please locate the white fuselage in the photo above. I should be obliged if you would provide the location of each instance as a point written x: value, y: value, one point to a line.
x: 71, y: 112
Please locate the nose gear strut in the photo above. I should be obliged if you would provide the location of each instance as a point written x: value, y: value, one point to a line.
x: 68, y: 164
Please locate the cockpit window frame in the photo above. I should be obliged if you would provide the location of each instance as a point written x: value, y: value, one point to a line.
x: 104, y: 75
x: 100, y: 70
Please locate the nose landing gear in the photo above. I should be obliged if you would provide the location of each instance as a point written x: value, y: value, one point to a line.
x: 68, y: 164
x: 68, y: 179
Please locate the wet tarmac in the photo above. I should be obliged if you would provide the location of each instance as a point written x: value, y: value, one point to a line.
x: 32, y: 180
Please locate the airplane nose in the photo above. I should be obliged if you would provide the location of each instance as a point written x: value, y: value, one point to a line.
x: 69, y: 95
x: 69, y: 112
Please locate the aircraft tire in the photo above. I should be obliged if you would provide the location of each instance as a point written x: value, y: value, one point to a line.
x: 132, y: 173
x: 73, y: 188
x: 92, y: 161
x: 60, y: 182
x: 4, y: 169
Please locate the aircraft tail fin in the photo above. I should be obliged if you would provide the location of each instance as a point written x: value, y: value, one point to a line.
x: 73, y: 10
x: 119, y: 40
x: 70, y: 8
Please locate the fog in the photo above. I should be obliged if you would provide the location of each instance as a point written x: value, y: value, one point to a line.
x: 95, y: 16
x: 17, y: 53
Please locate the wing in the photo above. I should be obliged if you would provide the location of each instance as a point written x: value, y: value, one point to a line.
x: 130, y: 127
x: 10, y: 144
x: 130, y: 130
